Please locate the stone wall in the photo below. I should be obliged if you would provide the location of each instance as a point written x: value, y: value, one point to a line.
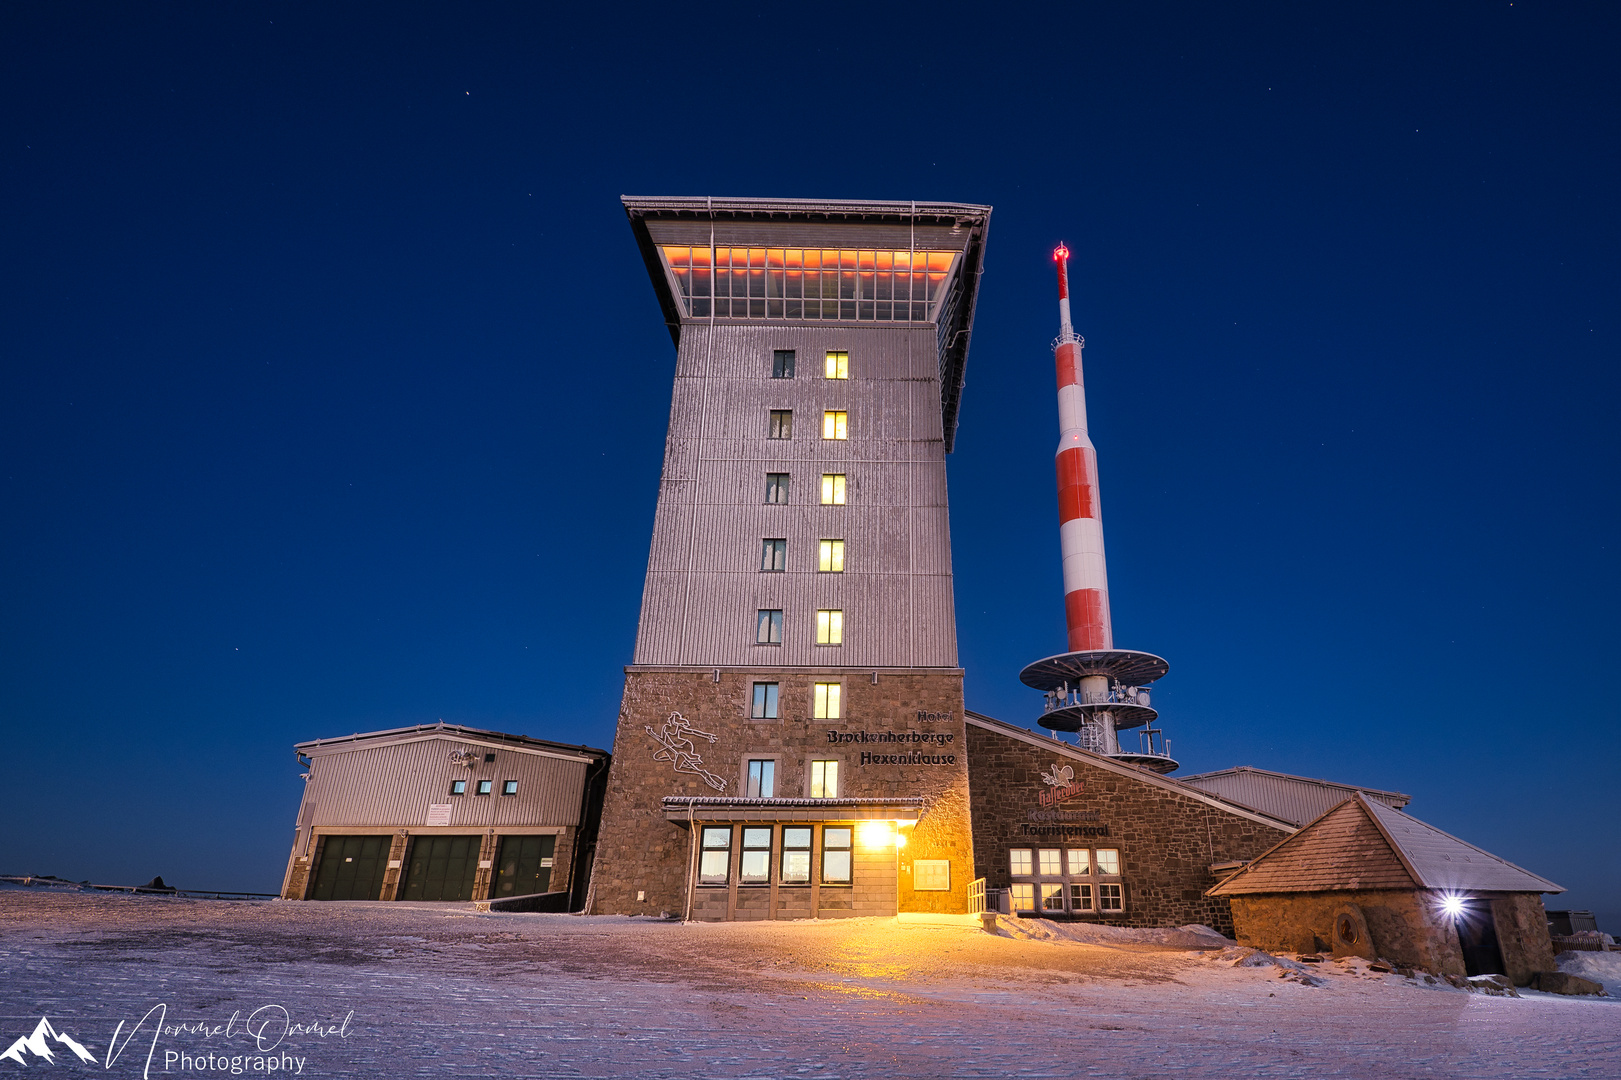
x: 1167, y: 840
x: 1405, y: 927
x: 638, y: 851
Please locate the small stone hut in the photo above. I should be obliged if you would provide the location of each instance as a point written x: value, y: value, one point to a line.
x: 1365, y: 879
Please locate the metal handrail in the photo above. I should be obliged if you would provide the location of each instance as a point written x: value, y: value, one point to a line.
x: 976, y: 896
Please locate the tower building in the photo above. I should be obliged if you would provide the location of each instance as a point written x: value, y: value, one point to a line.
x: 790, y: 740
x: 1094, y: 690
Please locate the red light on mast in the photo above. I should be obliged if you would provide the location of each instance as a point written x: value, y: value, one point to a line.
x: 1060, y: 252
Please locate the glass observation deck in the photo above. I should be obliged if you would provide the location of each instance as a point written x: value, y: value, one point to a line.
x: 809, y: 283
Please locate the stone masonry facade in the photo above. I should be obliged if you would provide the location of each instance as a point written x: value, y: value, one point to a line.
x: 888, y: 715
x: 1167, y: 840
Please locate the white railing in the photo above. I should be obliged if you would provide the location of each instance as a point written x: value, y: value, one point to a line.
x: 976, y: 896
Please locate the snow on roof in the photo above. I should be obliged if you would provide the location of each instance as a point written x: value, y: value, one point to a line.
x: 1364, y: 844
x: 1296, y: 799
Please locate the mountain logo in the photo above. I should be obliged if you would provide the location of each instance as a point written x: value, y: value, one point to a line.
x: 39, y: 1044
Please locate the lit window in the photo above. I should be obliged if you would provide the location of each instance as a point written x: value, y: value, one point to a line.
x: 756, y: 866
x: 831, y: 559
x: 1109, y: 898
x: 796, y: 856
x: 776, y: 487
x: 835, y: 424
x: 1080, y: 897
x: 824, y: 780
x: 768, y: 627
x: 809, y: 283
x: 838, y: 365
x: 773, y: 556
x: 1049, y: 862
x: 1022, y: 897
x: 830, y: 627
x: 781, y: 425
x: 1108, y: 861
x: 484, y: 786
x: 762, y: 779
x: 931, y: 875
x: 1019, y: 859
x: 825, y: 700
x: 715, y: 864
x: 1052, y: 897
x: 782, y: 363
x: 458, y: 787
x: 835, y: 856
x: 1080, y: 861
x: 509, y: 787
x: 765, y: 701
x: 832, y: 489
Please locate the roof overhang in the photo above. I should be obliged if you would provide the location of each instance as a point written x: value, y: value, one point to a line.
x: 682, y: 809
x: 451, y: 732
x: 953, y: 335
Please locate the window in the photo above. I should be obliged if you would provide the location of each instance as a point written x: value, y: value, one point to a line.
x: 776, y: 488
x: 825, y: 700
x: 809, y: 283
x: 509, y: 787
x: 824, y: 777
x: 1108, y: 861
x: 1080, y: 861
x: 838, y: 365
x: 781, y: 425
x: 762, y: 779
x: 931, y: 875
x: 756, y: 867
x: 836, y: 856
x: 765, y: 701
x: 796, y: 856
x: 458, y: 787
x: 1109, y: 898
x: 768, y: 628
x: 832, y: 489
x: 1048, y: 860
x: 1080, y: 897
x: 714, y: 865
x: 835, y: 424
x: 829, y: 627
x: 489, y: 757
x: 1019, y: 859
x: 484, y: 786
x: 782, y: 363
x: 1022, y: 897
x: 773, y: 556
x: 1052, y: 896
x: 831, y: 558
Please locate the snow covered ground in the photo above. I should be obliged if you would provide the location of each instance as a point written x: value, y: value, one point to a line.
x: 392, y: 990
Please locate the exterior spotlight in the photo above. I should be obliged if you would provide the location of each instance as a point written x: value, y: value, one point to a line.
x: 876, y: 834
x: 1451, y: 906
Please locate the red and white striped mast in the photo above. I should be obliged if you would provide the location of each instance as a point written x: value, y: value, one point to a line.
x: 1094, y: 689
x: 1080, y: 513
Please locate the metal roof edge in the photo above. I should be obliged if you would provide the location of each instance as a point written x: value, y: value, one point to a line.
x: 1292, y: 776
x: 1002, y: 727
x: 732, y: 204
x: 424, y: 731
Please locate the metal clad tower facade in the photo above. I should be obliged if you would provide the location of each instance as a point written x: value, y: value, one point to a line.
x: 790, y: 741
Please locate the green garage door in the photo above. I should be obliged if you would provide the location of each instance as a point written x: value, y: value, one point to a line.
x: 525, y: 865
x: 441, y: 868
x: 351, y: 868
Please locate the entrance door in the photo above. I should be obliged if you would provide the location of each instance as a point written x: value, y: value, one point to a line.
x: 441, y: 868
x: 351, y: 868
x: 525, y: 865
x: 1477, y: 938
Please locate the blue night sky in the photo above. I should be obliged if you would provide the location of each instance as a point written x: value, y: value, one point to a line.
x: 333, y: 392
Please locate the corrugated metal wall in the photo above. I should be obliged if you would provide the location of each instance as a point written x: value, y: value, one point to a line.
x: 392, y: 785
x: 704, y: 584
x: 1297, y: 800
x: 897, y: 237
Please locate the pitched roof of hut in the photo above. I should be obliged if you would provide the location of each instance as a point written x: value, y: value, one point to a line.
x: 1364, y: 844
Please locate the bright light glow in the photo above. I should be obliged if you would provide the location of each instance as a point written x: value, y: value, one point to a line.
x: 1060, y: 252
x: 876, y: 834
x: 1452, y: 906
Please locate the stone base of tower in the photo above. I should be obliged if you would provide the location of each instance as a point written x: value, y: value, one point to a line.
x: 891, y: 834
